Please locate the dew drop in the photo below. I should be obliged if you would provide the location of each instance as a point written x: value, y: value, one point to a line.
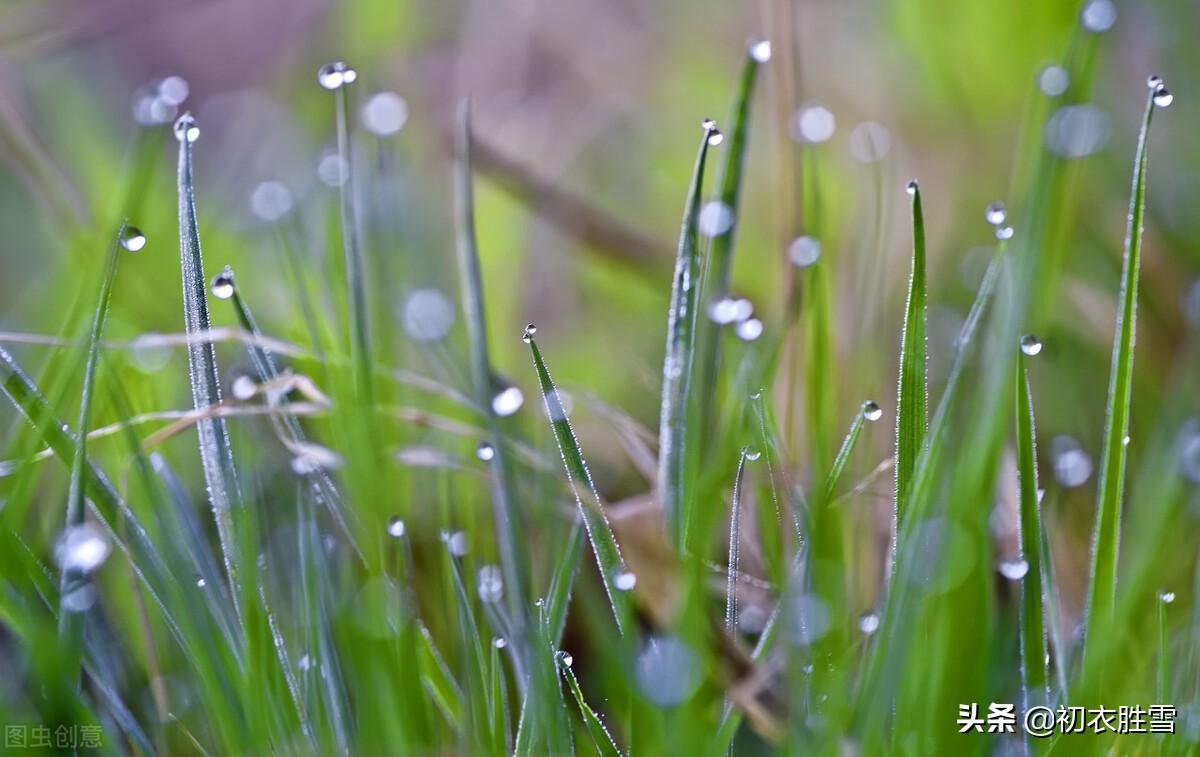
x: 82, y: 548
x: 760, y: 50
x: 1031, y: 345
x: 1004, y: 232
x: 243, y: 388
x: 489, y: 586
x: 624, y: 580
x: 395, y: 527
x: 200, y: 582
x: 1014, y: 570
x: 186, y: 128
x: 1072, y: 466
x: 499, y: 642
x: 385, y: 114
x: 222, y: 284
x: 996, y: 213
x: 749, y: 329
x: 708, y: 124
x: 813, y: 124
x: 872, y: 411
x: 715, y: 219
x: 507, y: 401
x: 730, y: 310
x: 1125, y: 441
x: 456, y: 542
x: 1163, y: 96
x: 485, y: 451
x: 173, y: 90
x: 715, y: 137
x: 752, y: 454
x: 1098, y: 16
x: 804, y: 251
x: 1053, y: 80
x: 132, y: 239
x: 336, y: 75
x: 1166, y: 596
x: 527, y: 335
x: 565, y: 658
x: 868, y: 623
x: 911, y: 187
x: 1154, y: 81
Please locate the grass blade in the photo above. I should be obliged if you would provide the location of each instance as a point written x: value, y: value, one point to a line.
x: 868, y: 412
x: 439, y: 683
x: 216, y: 456
x: 1033, y: 620
x: 70, y: 624
x: 503, y: 515
x: 913, y: 390
x: 731, y: 576
x: 1106, y: 541
x: 677, y: 361
x: 602, y: 740
x: 591, y: 509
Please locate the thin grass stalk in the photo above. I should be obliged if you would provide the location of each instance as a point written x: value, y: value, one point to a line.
x: 1033, y: 620
x: 677, y: 361
x: 1106, y: 540
x: 912, y: 398
x: 216, y: 455
x: 504, y: 516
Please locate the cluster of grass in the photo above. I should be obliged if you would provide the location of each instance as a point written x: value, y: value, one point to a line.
x: 355, y: 591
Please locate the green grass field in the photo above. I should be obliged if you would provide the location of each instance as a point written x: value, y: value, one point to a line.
x: 584, y: 378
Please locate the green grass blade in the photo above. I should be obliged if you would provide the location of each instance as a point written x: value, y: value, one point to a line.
x: 216, y: 456
x: 731, y: 574
x: 602, y: 740
x: 913, y: 389
x: 1033, y: 620
x: 476, y: 665
x: 474, y: 314
x: 591, y: 509
x: 438, y: 682
x: 1107, y: 536
x: 562, y: 580
x: 71, y: 623
x: 498, y: 719
x: 868, y: 412
x: 678, y: 357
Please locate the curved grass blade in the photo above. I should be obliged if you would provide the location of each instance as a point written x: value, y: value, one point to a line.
x: 1033, y: 620
x: 1107, y: 536
x: 912, y: 399
x: 591, y: 510
x: 844, y: 452
x: 731, y: 575
x: 70, y: 624
x: 216, y: 456
x: 602, y: 740
x: 677, y: 361
x: 503, y: 515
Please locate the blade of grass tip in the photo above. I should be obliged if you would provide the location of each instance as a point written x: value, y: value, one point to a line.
x: 731, y: 580
x: 1107, y: 536
x: 503, y: 515
x: 288, y: 426
x: 591, y: 510
x: 1053, y: 622
x: 913, y: 390
x: 216, y: 456
x: 442, y: 687
x: 721, y: 250
x: 501, y: 740
x: 678, y: 356
x: 74, y: 578
x: 336, y: 77
x: 869, y: 411
x: 602, y: 740
x: 1163, y: 676
x: 1033, y: 620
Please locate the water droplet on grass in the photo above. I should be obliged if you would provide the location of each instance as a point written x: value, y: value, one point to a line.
x: 752, y: 454
x: 527, y: 335
x: 1163, y: 97
x: 173, y: 90
x: 1072, y: 466
x: 715, y: 137
x: 82, y: 548
x: 715, y: 219
x: 624, y: 581
x: 456, y: 542
x: 243, y: 388
x: 813, y: 124
x: 200, y: 582
x: 996, y: 213
x: 565, y: 658
x: 507, y: 401
x: 489, y: 585
x: 1014, y: 570
x: 871, y: 410
x: 186, y: 128
x: 1166, y: 596
x: 730, y: 310
x: 868, y: 623
x: 395, y: 527
x: 911, y: 187
x: 749, y: 329
x: 222, y: 284
x: 1098, y: 16
x: 1004, y: 232
x: 1031, y: 345
x: 132, y: 239
x: 485, y: 451
x: 333, y: 76
x: 499, y: 642
x: 1125, y: 441
x: 804, y: 251
x: 760, y: 50
x: 385, y: 114
x: 1154, y: 81
x: 1053, y: 80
